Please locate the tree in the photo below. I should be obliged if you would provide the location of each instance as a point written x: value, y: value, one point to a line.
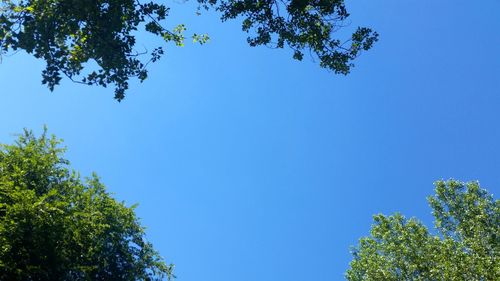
x: 55, y: 226
x: 466, y: 248
x: 69, y: 33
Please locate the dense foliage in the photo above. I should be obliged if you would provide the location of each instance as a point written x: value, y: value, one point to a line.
x: 467, y: 247
x: 68, y: 34
x: 300, y: 25
x: 54, y: 226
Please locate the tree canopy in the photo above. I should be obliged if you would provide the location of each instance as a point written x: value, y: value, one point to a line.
x: 67, y: 34
x: 466, y: 247
x: 56, y: 226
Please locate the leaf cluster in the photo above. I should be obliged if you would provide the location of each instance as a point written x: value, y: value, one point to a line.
x: 302, y: 25
x: 69, y: 33
x: 467, y: 247
x: 55, y: 226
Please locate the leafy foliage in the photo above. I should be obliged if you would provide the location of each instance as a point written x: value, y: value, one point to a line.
x: 468, y: 221
x: 67, y: 34
x: 301, y: 25
x: 54, y: 226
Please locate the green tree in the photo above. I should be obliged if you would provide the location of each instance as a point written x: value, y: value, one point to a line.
x: 466, y: 247
x: 55, y: 226
x: 69, y: 33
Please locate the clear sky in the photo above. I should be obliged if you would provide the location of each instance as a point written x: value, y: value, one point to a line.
x: 248, y: 165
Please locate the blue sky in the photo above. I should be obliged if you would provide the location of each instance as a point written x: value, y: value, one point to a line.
x: 248, y: 165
